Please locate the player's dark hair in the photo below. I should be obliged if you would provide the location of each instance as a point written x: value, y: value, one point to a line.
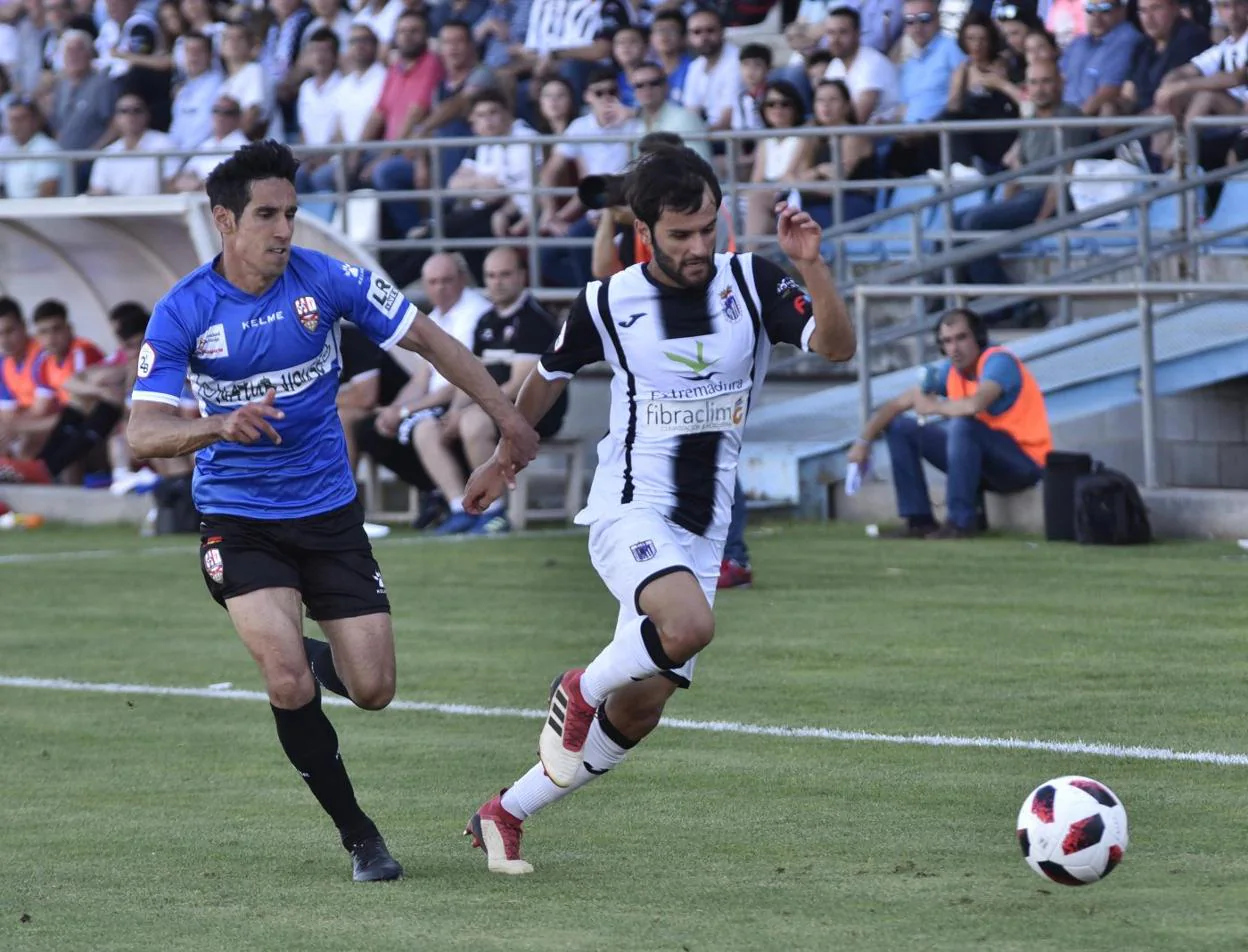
x: 49, y: 308
x: 230, y: 183
x: 653, y: 141
x: 131, y: 318
x: 10, y: 308
x: 669, y: 180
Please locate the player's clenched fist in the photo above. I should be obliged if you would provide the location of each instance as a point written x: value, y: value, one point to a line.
x: 248, y: 423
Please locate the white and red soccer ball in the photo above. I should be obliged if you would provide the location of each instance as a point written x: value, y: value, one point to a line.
x: 1072, y: 830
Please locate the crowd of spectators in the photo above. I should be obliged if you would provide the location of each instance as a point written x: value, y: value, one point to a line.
x: 136, y: 76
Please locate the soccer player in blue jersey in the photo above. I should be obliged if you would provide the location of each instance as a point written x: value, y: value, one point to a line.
x: 257, y: 331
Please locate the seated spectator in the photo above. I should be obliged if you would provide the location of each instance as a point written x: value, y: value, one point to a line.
x: 453, y: 97
x: 1015, y: 23
x: 668, y: 35
x: 834, y: 109
x: 248, y: 83
x: 316, y: 109
x: 382, y: 18
x: 93, y: 401
x: 981, y: 90
x: 628, y: 51
x: 1040, y: 47
x: 871, y: 78
x: 65, y: 354
x: 355, y: 99
x: 28, y: 407
x: 1025, y: 206
x: 82, y: 102
x: 657, y: 113
x: 226, y: 138
x: 33, y: 34
x: 713, y: 82
x: 569, y: 267
x: 457, y: 310
x: 131, y: 31
x: 33, y: 177
x: 406, y: 98
x: 754, y: 64
x: 114, y: 174
x: 994, y: 435
x: 509, y: 338
x: 1171, y: 41
x: 329, y: 15
x: 556, y: 107
x: 568, y: 37
x: 1066, y: 20
x: 495, y: 166
x: 201, y: 17
x: 193, y: 102
x: 369, y: 379
x: 778, y: 157
x: 1212, y: 84
x: 816, y: 65
x: 500, y: 29
x: 467, y: 12
x: 1095, y: 65
x: 281, y: 61
x: 928, y: 80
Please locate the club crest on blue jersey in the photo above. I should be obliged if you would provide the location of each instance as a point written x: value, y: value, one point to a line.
x: 306, y: 311
x: 732, y: 310
x: 643, y: 551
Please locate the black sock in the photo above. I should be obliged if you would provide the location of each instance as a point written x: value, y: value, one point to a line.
x: 76, y: 434
x: 321, y: 661
x: 311, y: 744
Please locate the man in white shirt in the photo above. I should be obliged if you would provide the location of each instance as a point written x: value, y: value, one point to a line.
x: 569, y: 267
x: 870, y: 76
x: 226, y: 138
x: 657, y: 113
x: 192, y: 106
x: 34, y: 177
x: 354, y: 99
x: 114, y: 175
x: 1215, y: 83
x: 317, y: 106
x: 714, y: 80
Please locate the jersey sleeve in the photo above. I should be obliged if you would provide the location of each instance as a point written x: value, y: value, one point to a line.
x: 787, y: 312
x: 369, y: 301
x: 578, y: 344
x: 163, y: 358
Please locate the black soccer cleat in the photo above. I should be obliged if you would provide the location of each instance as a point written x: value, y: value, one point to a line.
x: 371, y: 862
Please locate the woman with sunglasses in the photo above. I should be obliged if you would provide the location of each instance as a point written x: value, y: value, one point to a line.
x: 777, y: 155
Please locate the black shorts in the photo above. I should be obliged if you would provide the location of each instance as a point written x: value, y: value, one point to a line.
x: 327, y: 558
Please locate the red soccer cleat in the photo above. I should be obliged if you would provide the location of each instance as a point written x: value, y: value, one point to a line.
x: 497, y: 833
x: 734, y: 575
x: 568, y: 719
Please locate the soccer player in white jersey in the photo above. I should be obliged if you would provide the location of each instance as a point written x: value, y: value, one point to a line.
x: 687, y: 336
x: 257, y: 329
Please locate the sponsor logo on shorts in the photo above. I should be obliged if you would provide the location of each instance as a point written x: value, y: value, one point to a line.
x: 643, y: 551
x: 381, y: 582
x: 308, y: 313
x: 214, y: 568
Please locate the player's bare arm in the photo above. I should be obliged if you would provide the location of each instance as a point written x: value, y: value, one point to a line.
x: 537, y: 396
x: 455, y: 362
x: 800, y: 236
x: 158, y: 431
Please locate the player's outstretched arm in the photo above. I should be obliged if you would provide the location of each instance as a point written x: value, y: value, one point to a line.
x: 156, y: 431
x: 457, y: 364
x: 537, y: 395
x: 800, y: 236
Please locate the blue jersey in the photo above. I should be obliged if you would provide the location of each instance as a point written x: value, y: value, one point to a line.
x: 235, y: 346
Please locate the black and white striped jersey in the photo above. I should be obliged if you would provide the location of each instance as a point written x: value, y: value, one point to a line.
x: 685, y: 366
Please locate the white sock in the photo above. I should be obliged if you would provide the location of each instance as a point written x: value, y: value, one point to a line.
x: 535, y: 790
x: 496, y: 507
x: 457, y: 504
x: 625, y: 660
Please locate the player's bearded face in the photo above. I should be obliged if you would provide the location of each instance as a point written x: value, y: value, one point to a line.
x: 683, y: 246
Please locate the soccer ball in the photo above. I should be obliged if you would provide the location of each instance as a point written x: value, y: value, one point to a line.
x: 1073, y: 830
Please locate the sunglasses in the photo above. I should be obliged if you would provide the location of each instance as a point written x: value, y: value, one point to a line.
x: 1103, y: 7
x: 1006, y: 12
x: 649, y: 83
x: 912, y: 18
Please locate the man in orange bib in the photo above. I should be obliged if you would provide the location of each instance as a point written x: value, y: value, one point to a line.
x: 28, y: 405
x: 994, y: 435
x: 65, y: 354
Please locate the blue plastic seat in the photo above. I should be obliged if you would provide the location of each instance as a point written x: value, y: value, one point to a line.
x: 889, y: 239
x: 1232, y: 211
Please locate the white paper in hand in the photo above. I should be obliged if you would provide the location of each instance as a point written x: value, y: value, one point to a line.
x: 853, y: 478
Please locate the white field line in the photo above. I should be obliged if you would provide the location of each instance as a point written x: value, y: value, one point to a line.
x: 189, y: 549
x: 678, y: 723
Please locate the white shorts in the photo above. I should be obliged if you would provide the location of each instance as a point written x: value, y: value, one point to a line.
x: 638, y: 545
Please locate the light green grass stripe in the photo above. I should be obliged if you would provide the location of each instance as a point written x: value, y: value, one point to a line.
x: 713, y: 727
